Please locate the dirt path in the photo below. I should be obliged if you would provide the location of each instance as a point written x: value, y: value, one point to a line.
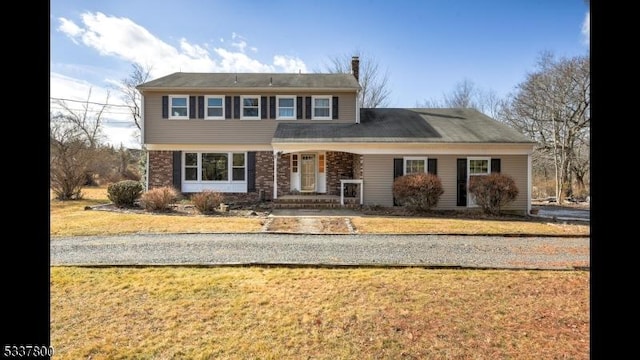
x: 309, y: 225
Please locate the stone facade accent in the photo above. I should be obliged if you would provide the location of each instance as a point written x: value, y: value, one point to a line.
x: 342, y: 165
x: 160, y: 169
x: 264, y: 174
x: 339, y: 165
x: 284, y: 174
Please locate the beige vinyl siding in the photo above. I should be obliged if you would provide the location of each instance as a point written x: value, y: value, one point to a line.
x: 229, y: 131
x: 377, y: 173
x: 378, y: 179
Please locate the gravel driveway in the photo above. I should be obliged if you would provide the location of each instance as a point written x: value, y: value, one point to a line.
x: 325, y: 250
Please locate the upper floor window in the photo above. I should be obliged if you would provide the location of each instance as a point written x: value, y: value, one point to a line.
x: 286, y: 107
x: 214, y: 107
x: 413, y: 165
x: 251, y: 107
x: 179, y: 106
x: 321, y: 107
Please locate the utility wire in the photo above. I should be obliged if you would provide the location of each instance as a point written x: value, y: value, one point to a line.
x: 88, y: 102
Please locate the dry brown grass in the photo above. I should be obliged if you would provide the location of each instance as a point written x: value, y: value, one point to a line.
x: 70, y: 219
x: 328, y: 225
x: 280, y: 313
x: 438, y: 225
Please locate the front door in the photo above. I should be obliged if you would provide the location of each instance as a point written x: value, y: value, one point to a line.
x: 308, y: 172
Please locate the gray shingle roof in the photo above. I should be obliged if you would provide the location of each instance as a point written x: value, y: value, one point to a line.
x: 181, y: 80
x: 406, y: 125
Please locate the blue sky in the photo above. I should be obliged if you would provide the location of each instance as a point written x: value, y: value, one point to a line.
x: 426, y: 46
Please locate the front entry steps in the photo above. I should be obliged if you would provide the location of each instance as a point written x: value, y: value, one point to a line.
x: 316, y: 201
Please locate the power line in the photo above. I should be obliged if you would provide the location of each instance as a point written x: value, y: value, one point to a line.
x: 88, y: 102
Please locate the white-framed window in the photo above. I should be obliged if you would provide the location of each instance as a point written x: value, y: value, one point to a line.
x: 321, y: 107
x: 238, y: 167
x: 250, y: 107
x: 294, y: 163
x: 191, y: 166
x: 178, y: 106
x: 214, y: 107
x: 478, y: 166
x: 286, y: 107
x: 414, y: 164
x: 215, y: 167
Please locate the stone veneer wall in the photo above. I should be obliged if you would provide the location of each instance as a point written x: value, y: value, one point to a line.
x: 160, y: 168
x: 284, y: 174
x: 340, y: 165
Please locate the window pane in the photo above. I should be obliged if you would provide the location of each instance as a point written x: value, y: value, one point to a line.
x: 414, y: 166
x: 479, y: 166
x: 250, y: 102
x: 181, y: 101
x: 285, y: 102
x: 321, y: 112
x: 238, y: 159
x: 286, y: 112
x: 215, y: 167
x: 238, y: 174
x: 191, y: 173
x: 214, y: 102
x: 179, y: 111
x: 191, y: 159
x: 248, y: 112
x: 211, y: 112
x: 321, y: 102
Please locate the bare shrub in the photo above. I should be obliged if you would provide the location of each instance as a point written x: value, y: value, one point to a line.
x: 159, y: 199
x: 207, y: 201
x: 493, y: 191
x: 420, y: 191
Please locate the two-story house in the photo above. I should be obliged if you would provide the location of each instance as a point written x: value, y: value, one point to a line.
x: 266, y: 136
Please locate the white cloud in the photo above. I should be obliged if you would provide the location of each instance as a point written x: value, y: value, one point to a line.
x: 290, y: 64
x: 586, y: 28
x: 122, y: 38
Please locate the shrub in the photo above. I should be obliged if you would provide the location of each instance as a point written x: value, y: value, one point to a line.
x: 159, y: 199
x: 124, y: 193
x: 493, y: 191
x: 207, y: 201
x: 420, y: 191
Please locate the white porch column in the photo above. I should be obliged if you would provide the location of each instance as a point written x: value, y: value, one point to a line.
x: 275, y: 174
x: 529, y: 184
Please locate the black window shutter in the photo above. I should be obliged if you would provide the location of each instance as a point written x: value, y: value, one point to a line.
x: 251, y: 171
x: 236, y: 107
x: 192, y: 107
x: 398, y: 170
x: 200, y: 107
x: 334, y: 109
x: 272, y: 107
x: 461, y: 182
x: 263, y: 107
x: 307, y: 107
x: 227, y: 107
x: 165, y: 107
x: 495, y: 165
x: 177, y: 170
x: 432, y: 166
x: 299, y: 107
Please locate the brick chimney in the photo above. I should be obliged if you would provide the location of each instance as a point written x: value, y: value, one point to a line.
x: 355, y: 67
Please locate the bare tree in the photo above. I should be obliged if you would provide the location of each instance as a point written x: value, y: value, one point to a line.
x: 466, y: 94
x: 75, y: 137
x: 373, y: 80
x: 87, y: 120
x: 131, y: 96
x: 552, y: 106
